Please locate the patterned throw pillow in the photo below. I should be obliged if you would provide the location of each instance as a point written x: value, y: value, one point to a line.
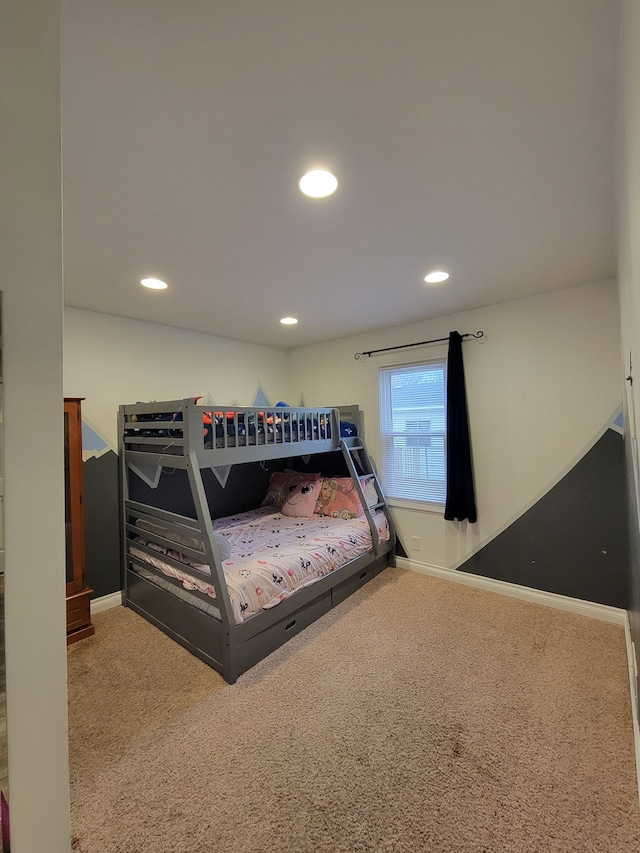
x: 280, y: 484
x: 301, y: 500
x: 338, y: 498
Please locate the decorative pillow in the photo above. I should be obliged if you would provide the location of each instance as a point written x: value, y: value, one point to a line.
x: 223, y: 546
x: 280, y: 484
x: 302, y: 497
x: 338, y: 498
x: 347, y: 429
x: 370, y: 491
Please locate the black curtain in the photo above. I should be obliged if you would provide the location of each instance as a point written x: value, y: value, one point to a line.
x: 461, y: 499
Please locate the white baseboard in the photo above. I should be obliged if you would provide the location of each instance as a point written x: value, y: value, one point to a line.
x: 536, y: 596
x: 106, y: 602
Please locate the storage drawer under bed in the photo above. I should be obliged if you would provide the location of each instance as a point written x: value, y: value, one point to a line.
x: 343, y: 590
x: 257, y: 647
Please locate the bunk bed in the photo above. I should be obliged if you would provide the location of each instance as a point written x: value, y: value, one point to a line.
x: 232, y: 540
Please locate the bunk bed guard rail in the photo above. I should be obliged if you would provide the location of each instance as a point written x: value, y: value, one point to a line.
x: 177, y: 428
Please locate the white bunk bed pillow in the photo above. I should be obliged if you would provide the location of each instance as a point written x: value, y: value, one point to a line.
x: 370, y: 491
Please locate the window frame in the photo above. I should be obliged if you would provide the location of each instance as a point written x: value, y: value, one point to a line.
x: 428, y: 503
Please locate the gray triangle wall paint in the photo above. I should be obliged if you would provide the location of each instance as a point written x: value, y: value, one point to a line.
x: 574, y: 540
x: 102, y: 524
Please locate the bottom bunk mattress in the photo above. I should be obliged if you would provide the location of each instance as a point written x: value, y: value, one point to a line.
x: 269, y: 555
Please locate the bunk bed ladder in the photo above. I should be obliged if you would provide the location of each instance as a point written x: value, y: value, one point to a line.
x: 354, y: 451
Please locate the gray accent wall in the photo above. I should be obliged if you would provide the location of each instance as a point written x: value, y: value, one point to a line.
x: 574, y: 541
x: 102, y: 524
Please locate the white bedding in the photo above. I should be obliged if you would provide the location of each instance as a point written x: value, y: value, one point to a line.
x: 273, y: 555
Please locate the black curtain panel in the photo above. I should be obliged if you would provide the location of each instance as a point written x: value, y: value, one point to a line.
x: 461, y: 499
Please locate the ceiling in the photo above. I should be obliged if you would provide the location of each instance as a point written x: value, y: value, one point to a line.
x: 474, y: 136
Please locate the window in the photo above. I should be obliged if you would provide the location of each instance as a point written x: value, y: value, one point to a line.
x: 413, y: 421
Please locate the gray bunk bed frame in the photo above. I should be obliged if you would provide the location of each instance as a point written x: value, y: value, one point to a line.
x: 165, y: 442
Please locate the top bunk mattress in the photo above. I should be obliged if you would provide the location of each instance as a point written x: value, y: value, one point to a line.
x: 271, y: 555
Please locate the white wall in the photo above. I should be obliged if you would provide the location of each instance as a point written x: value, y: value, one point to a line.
x: 539, y: 389
x: 628, y: 181
x: 628, y: 195
x: 110, y: 361
x: 31, y: 285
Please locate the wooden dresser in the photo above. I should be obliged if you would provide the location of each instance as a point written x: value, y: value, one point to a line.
x: 78, y: 611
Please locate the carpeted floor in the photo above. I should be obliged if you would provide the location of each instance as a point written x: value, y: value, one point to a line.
x: 419, y: 715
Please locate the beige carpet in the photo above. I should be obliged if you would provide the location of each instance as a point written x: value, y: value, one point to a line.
x: 420, y: 715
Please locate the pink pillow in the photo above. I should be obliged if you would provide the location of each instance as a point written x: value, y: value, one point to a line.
x: 338, y: 498
x: 280, y: 484
x: 301, y: 500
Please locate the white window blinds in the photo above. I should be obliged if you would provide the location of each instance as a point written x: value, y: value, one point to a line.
x: 413, y: 431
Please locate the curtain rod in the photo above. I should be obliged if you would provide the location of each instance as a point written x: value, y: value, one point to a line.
x: 476, y: 335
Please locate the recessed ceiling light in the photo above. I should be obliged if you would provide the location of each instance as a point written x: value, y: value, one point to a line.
x: 436, y: 276
x: 154, y: 283
x: 318, y: 183
x: 288, y: 321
